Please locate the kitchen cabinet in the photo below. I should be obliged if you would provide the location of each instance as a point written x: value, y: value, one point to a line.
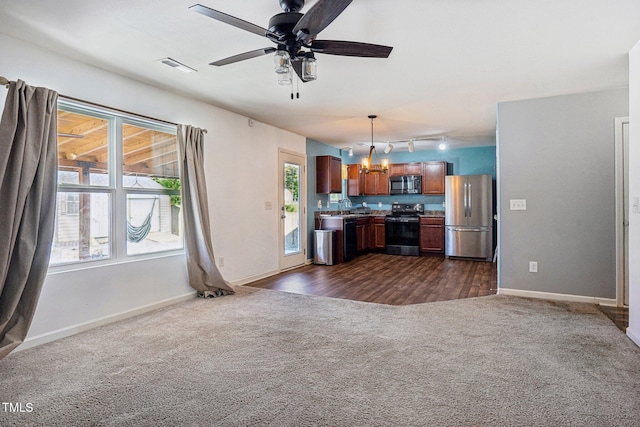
x: 377, y: 233
x: 432, y: 234
x: 405, y: 169
x: 355, y: 180
x: 328, y: 175
x: 433, y: 177
x: 363, y: 233
x: 376, y: 184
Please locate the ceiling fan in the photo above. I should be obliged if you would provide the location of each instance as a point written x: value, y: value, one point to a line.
x: 295, y: 34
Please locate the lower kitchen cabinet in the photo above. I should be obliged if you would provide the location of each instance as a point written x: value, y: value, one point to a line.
x: 432, y: 235
x: 377, y: 233
x: 363, y: 232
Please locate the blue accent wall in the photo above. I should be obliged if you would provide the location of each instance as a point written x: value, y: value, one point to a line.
x: 462, y: 161
x: 315, y: 148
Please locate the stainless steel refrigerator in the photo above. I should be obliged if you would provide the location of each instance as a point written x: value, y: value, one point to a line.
x: 468, y: 222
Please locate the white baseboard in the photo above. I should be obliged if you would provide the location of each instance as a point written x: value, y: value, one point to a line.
x: 37, y: 340
x: 556, y: 297
x: 250, y: 279
x: 633, y: 336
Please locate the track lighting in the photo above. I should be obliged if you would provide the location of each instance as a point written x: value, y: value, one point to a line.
x: 411, y: 146
x: 350, y: 152
x: 388, y: 148
x: 442, y: 145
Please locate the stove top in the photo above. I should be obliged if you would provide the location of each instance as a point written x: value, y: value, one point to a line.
x: 405, y: 209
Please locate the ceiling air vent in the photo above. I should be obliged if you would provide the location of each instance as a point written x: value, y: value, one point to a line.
x: 177, y: 65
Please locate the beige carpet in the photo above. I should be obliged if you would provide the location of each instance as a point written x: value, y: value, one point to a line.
x: 267, y: 358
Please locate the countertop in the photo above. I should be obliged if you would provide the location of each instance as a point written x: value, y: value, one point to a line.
x: 345, y: 214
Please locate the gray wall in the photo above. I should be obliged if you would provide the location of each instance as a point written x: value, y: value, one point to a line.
x: 558, y: 154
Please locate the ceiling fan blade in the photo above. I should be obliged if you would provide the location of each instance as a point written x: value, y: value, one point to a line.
x: 345, y: 48
x: 318, y: 18
x: 242, y: 56
x: 231, y: 20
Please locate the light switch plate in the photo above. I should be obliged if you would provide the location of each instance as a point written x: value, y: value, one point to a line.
x: 518, y: 204
x: 267, y: 206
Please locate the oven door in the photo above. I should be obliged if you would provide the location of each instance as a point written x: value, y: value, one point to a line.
x: 402, y: 235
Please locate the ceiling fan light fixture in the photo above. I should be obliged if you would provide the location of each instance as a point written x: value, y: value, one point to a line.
x: 285, y: 79
x: 282, y: 62
x: 309, y: 67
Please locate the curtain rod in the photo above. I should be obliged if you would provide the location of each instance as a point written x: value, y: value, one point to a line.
x: 4, y: 81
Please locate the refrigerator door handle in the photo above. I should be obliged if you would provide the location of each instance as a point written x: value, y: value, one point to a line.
x: 466, y: 200
x: 466, y: 229
x: 469, y: 202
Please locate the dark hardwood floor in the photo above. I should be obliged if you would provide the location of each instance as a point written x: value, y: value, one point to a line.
x: 618, y: 315
x: 401, y: 280
x: 390, y: 279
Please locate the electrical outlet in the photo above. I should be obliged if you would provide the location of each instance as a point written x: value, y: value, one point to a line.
x: 221, y: 262
x: 533, y: 266
x: 518, y: 204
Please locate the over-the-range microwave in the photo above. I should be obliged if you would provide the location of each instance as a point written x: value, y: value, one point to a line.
x: 405, y: 184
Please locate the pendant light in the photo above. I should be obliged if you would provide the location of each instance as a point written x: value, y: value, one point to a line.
x: 367, y: 163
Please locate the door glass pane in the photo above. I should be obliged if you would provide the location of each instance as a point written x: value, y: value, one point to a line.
x: 292, y: 208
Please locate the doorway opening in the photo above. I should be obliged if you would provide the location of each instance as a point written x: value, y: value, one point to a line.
x: 622, y: 210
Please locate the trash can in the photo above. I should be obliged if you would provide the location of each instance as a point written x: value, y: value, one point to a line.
x: 323, y: 244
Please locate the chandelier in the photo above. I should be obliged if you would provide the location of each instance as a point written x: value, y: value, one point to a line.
x: 368, y: 165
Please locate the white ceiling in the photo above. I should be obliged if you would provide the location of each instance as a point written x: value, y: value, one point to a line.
x: 452, y: 62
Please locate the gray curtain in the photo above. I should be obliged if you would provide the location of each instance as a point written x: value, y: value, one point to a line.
x: 204, y: 276
x: 28, y: 180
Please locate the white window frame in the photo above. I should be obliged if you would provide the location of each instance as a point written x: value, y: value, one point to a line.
x: 118, y: 193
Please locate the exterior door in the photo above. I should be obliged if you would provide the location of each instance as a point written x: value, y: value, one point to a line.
x: 292, y: 206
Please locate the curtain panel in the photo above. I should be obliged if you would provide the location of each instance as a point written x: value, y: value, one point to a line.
x: 28, y: 186
x: 204, y: 275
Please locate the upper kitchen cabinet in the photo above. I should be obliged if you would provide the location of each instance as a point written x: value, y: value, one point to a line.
x: 433, y: 177
x: 376, y: 184
x: 396, y: 169
x: 355, y: 181
x: 328, y: 175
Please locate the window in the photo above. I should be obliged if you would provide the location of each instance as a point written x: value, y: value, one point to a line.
x: 118, y: 186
